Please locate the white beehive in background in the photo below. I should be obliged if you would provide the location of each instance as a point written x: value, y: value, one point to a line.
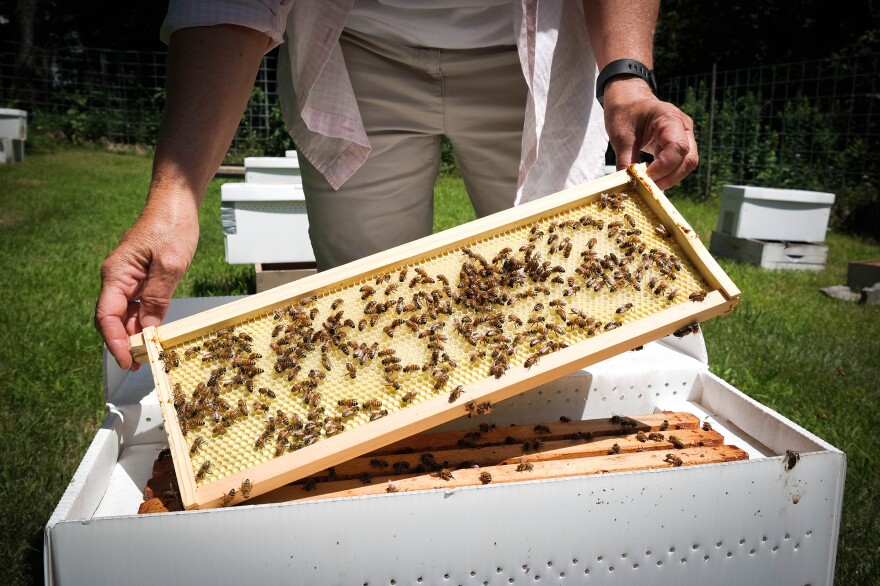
x: 265, y: 223
x: 765, y: 213
x: 13, y: 134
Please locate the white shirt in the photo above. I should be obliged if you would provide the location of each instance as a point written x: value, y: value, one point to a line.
x: 564, y: 139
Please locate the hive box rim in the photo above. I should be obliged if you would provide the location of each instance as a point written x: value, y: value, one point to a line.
x: 754, y: 192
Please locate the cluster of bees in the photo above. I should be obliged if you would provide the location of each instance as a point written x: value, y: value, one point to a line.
x: 515, y: 307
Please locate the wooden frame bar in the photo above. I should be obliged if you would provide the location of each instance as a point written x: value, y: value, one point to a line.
x: 416, y: 418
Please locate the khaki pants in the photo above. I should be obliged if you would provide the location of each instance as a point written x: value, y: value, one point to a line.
x: 409, y: 97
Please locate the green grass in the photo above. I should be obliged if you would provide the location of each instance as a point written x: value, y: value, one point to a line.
x: 813, y: 359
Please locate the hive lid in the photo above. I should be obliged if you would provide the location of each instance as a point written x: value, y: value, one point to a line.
x: 261, y: 192
x: 775, y: 194
x: 272, y: 162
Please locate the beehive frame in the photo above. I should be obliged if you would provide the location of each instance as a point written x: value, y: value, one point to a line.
x: 720, y: 297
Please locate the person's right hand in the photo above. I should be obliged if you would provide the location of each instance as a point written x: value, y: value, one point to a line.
x: 138, y: 277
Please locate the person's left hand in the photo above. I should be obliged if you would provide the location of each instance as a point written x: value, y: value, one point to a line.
x: 636, y: 120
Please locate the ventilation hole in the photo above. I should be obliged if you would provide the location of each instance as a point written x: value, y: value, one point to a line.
x: 635, y: 566
x: 752, y: 552
x: 587, y: 571
x: 562, y: 574
x: 764, y: 538
x: 672, y: 549
x: 623, y: 556
x: 600, y: 558
x: 787, y: 536
x: 705, y: 558
x: 718, y: 544
x: 393, y: 582
x: 549, y: 564
x: 614, y: 388
x: 497, y: 570
x: 148, y: 419
x: 797, y: 546
x: 486, y: 583
x: 525, y: 568
x: 640, y: 395
x: 650, y: 386
x: 603, y: 398
x: 445, y: 576
x: 659, y: 563
x: 695, y: 547
x: 684, y: 383
x: 611, y: 568
x: 730, y: 554
x: 741, y: 541
x: 674, y: 392
x: 808, y: 533
x: 419, y: 579
x: 648, y: 553
x: 621, y: 397
x: 574, y: 561
x: 537, y: 577
x: 473, y: 573
x: 684, y: 560
x: 775, y: 547
x: 656, y: 394
x: 510, y: 580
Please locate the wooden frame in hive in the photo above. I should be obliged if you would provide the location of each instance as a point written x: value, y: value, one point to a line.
x: 669, y: 309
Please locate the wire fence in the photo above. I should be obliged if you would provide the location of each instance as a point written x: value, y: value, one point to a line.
x: 809, y: 125
x: 119, y: 96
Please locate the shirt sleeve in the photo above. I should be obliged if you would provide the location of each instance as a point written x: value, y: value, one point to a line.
x: 266, y: 16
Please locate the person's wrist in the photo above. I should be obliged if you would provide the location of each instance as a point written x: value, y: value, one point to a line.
x: 626, y: 89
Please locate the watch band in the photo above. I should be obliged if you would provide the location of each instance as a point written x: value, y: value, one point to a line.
x: 623, y: 67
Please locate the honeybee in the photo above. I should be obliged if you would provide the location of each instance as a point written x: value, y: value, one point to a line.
x: 707, y: 426
x: 698, y: 296
x: 662, y: 231
x: 673, y: 293
x: 246, y: 487
x: 657, y: 437
x: 227, y: 498
x: 203, y: 470
x: 564, y: 419
x: 365, y: 477
x: 190, y: 352
x: 524, y: 465
x: 444, y: 474
x: 266, y: 392
x: 409, y: 396
x: 391, y: 487
x: 378, y: 464
x: 196, y: 444
x: 673, y: 459
x: 542, y: 429
x: 350, y: 412
x: 456, y: 393
x: 615, y: 449
x: 624, y: 308
x: 532, y: 360
x: 308, y: 300
x: 347, y: 402
x: 485, y: 477
x: 676, y: 442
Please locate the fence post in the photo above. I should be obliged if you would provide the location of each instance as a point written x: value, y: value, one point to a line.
x: 711, y: 127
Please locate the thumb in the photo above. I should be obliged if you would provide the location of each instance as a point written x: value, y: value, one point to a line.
x: 157, y: 292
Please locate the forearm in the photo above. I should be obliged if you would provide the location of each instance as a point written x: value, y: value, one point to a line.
x: 622, y: 30
x: 211, y: 73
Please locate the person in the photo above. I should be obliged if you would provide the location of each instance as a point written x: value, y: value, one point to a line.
x: 367, y: 89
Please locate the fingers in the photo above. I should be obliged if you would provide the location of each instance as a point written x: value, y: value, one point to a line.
x: 674, y: 148
x: 116, y: 316
x: 163, y: 277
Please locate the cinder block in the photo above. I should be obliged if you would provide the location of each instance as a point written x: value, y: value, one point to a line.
x: 863, y: 273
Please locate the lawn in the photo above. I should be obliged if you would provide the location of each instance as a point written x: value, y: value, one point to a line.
x: 813, y: 359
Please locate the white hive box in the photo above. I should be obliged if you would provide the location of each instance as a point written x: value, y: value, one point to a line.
x: 765, y: 213
x: 273, y: 169
x: 265, y: 223
x: 13, y: 134
x: 746, y: 522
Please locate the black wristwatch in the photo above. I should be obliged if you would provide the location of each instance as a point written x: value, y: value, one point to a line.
x: 623, y: 67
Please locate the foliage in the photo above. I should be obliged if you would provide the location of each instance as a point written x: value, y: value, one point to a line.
x: 798, y: 146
